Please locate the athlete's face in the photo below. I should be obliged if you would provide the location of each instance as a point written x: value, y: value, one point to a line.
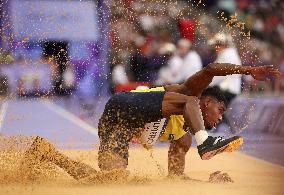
x: 212, y: 111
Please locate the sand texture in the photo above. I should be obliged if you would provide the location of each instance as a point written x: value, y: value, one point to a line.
x: 249, y: 175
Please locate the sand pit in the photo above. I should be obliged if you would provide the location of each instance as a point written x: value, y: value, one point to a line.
x: 250, y: 176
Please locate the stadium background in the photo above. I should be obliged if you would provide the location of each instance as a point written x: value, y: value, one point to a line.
x: 61, y: 60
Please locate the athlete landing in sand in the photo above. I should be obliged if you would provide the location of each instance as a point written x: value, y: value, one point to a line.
x: 126, y: 114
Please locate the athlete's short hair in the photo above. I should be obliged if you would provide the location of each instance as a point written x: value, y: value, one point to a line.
x: 216, y: 93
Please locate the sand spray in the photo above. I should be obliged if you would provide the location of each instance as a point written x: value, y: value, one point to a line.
x: 161, y: 170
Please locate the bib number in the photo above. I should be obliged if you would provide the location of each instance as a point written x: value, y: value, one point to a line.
x: 152, y: 132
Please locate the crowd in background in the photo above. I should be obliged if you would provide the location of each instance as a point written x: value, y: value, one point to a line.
x: 158, y: 43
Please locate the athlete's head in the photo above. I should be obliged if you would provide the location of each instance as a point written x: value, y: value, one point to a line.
x: 213, y: 104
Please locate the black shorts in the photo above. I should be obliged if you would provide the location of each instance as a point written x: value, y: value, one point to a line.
x: 124, y: 116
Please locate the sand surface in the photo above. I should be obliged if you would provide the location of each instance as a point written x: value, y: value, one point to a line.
x: 250, y: 175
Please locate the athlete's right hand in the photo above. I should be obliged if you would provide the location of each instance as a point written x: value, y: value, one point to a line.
x: 262, y: 73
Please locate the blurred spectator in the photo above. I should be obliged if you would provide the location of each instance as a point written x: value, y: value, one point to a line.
x: 119, y: 75
x: 226, y: 53
x: 191, y: 60
x: 139, y: 64
x: 187, y: 29
x: 168, y: 73
x: 147, y: 61
x: 182, y: 64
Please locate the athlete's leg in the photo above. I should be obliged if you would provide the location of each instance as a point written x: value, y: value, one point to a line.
x: 176, y: 155
x: 114, y: 146
x: 112, y: 153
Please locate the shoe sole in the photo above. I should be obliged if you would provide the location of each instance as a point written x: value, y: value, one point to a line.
x: 230, y: 147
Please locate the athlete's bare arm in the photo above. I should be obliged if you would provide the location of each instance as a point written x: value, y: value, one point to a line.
x: 195, y: 84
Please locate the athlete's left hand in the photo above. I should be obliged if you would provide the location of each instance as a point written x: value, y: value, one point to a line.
x: 262, y: 73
